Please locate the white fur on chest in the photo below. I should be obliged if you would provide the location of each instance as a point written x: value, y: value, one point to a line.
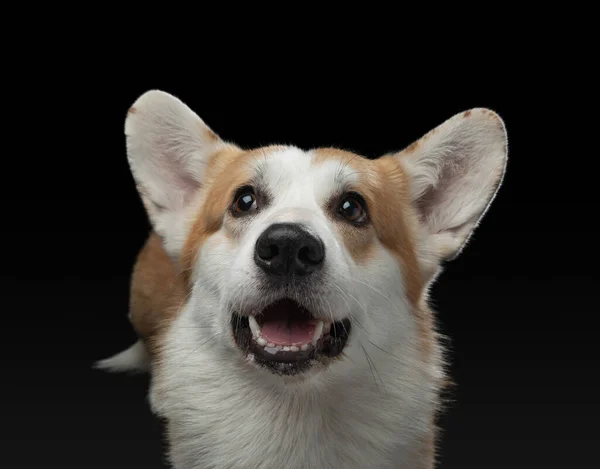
x: 230, y: 417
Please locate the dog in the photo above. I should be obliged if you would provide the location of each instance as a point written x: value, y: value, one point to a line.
x: 281, y: 299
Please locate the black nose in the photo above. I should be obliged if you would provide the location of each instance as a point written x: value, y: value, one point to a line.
x: 288, y: 248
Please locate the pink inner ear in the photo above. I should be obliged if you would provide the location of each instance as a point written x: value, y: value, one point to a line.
x: 178, y: 184
x: 188, y: 187
x: 456, y: 169
x: 439, y: 197
x: 466, y: 179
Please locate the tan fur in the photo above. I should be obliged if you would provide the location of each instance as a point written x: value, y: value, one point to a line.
x: 156, y: 291
x: 209, y: 133
x: 412, y: 147
x: 359, y: 242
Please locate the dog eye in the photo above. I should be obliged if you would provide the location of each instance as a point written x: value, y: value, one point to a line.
x: 352, y: 208
x: 245, y: 200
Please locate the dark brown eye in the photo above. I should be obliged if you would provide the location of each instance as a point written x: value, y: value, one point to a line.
x: 244, y: 201
x: 352, y: 208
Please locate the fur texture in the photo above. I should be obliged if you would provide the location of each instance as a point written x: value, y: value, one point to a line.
x: 375, y: 405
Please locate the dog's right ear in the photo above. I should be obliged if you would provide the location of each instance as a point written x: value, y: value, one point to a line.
x: 168, y: 148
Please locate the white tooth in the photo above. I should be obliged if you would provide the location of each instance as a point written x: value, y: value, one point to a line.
x: 271, y: 345
x: 318, y: 332
x: 293, y: 348
x: 280, y: 348
x: 286, y: 349
x: 326, y: 328
x: 304, y: 347
x: 262, y: 342
x: 254, y: 327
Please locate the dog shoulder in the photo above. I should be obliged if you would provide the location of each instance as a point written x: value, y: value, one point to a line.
x: 156, y: 290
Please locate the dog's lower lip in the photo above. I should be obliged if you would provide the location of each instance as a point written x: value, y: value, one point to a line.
x: 287, y: 339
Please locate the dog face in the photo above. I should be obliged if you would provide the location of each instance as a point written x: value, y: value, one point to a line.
x: 298, y: 261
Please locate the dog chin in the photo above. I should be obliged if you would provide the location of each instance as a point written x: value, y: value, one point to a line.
x: 287, y: 338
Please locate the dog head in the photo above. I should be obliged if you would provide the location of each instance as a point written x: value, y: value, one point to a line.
x: 296, y: 259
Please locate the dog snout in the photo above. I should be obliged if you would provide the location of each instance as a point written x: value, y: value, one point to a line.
x: 289, y: 249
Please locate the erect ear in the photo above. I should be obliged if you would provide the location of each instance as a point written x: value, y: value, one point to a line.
x: 454, y: 174
x: 168, y: 148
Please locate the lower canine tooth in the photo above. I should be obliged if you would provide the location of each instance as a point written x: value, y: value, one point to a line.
x: 304, y: 347
x: 262, y: 342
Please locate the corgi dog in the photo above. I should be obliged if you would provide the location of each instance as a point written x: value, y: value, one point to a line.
x: 281, y: 299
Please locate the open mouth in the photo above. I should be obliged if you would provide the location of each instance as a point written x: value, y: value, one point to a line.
x: 287, y: 339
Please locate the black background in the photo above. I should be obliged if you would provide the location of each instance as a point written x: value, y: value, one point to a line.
x: 519, y: 304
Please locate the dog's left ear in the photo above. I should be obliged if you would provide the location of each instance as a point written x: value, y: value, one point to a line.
x: 454, y: 174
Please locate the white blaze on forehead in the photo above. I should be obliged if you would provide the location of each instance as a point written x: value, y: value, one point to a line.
x: 294, y: 180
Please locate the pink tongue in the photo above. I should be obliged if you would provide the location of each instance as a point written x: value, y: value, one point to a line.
x: 284, y: 333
